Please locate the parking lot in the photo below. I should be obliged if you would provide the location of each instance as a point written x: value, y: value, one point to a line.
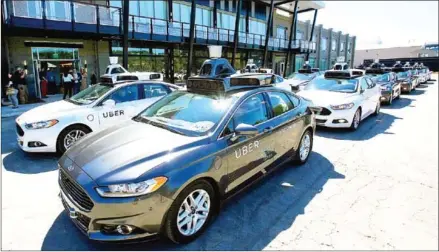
x: 375, y: 188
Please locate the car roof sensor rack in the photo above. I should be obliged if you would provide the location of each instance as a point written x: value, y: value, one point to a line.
x: 305, y: 71
x: 340, y: 74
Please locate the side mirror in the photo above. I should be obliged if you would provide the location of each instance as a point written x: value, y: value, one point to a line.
x: 244, y: 130
x: 109, y: 103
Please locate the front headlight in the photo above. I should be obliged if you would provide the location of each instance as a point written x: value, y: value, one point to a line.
x: 132, y: 189
x: 41, y: 125
x: 342, y: 106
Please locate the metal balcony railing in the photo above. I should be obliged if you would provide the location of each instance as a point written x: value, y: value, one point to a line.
x: 99, y: 16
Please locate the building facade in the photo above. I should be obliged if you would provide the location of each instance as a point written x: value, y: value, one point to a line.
x: 38, y: 34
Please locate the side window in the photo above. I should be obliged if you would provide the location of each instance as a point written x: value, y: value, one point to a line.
x: 219, y: 68
x: 370, y: 83
x: 117, y: 70
x: 363, y: 84
x: 125, y: 94
x: 253, y: 111
x: 154, y: 90
x: 279, y: 102
x: 294, y: 99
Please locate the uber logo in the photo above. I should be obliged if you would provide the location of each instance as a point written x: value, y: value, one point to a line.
x: 246, y: 149
x: 113, y: 113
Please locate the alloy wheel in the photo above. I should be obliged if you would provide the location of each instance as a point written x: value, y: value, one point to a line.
x: 356, y: 119
x: 193, y: 212
x: 72, y: 137
x: 305, y: 146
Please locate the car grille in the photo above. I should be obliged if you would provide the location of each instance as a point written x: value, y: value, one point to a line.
x: 81, y: 220
x: 321, y: 121
x: 20, y: 131
x: 325, y: 111
x: 76, y: 192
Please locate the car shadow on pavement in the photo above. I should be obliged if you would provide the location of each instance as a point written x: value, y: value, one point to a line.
x: 249, y: 221
x: 422, y: 86
x: 369, y: 128
x: 30, y: 163
x: 417, y: 92
x: 400, y: 103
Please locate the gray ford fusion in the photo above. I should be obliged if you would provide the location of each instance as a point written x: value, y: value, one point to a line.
x: 168, y: 169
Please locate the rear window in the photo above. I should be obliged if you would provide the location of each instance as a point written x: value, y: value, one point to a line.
x: 206, y: 69
x: 154, y: 76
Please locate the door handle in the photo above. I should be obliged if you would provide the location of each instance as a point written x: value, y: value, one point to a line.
x: 268, y: 129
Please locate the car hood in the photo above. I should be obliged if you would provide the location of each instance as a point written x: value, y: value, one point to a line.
x: 326, y: 98
x: 295, y: 82
x: 47, y: 111
x: 124, y: 152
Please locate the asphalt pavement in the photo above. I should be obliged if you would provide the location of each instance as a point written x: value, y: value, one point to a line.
x: 376, y: 188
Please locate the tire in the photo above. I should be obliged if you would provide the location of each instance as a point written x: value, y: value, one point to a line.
x: 356, y: 120
x: 60, y: 146
x: 399, y: 94
x: 171, y: 229
x: 377, y: 109
x: 390, y: 100
x: 306, y: 140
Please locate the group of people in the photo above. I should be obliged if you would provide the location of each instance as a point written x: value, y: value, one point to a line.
x: 74, y: 81
x: 17, y: 87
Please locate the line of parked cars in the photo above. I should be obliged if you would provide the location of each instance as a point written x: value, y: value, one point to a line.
x: 145, y: 158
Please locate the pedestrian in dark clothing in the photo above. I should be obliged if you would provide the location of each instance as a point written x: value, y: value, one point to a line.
x: 12, y: 91
x: 93, y: 79
x: 68, y: 84
x: 19, y: 79
x: 50, y: 76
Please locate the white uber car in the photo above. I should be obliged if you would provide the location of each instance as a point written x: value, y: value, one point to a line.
x: 345, y: 98
x: 56, y: 126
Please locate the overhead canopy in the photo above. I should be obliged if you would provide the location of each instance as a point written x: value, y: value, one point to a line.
x: 303, y: 6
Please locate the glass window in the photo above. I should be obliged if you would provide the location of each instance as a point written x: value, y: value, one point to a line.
x: 206, y: 69
x: 253, y: 111
x: 281, y: 32
x: 116, y: 3
x: 342, y: 47
x: 125, y: 94
x: 299, y: 35
x: 279, y: 103
x: 279, y: 79
x: 146, y: 8
x: 188, y: 112
x: 117, y: 70
x: 323, y: 44
x: 185, y: 12
x: 294, y: 99
x: 207, y: 17
x: 176, y: 11
x: 134, y: 8
x: 154, y: 90
x: 370, y: 83
x: 199, y: 16
x: 333, y: 45
x: 160, y: 9
x: 363, y: 84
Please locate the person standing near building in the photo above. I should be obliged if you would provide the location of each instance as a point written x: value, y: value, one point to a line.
x: 12, y: 91
x: 19, y: 79
x: 84, y: 79
x: 76, y: 81
x: 68, y: 83
x: 93, y: 79
x: 50, y: 76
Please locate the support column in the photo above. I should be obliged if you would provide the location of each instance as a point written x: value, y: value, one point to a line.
x: 191, y: 39
x: 247, y: 16
x: 346, y: 41
x: 267, y: 34
x: 215, y: 16
x: 236, y: 33
x: 318, y: 45
x: 328, y: 64
x: 170, y: 11
x: 312, y: 32
x: 354, y: 41
x: 292, y: 33
x: 126, y: 12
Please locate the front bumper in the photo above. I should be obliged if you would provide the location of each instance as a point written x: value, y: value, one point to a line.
x: 336, y: 118
x: 144, y: 213
x: 46, y: 137
x: 385, y: 96
x: 405, y: 87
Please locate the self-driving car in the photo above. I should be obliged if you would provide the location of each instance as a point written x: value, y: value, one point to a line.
x: 56, y: 126
x: 345, y: 98
x: 390, y: 87
x: 167, y: 170
x: 406, y: 80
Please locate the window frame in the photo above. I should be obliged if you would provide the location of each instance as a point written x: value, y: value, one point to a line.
x: 142, y: 89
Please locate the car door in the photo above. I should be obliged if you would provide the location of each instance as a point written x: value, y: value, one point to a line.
x: 375, y: 93
x: 286, y: 122
x: 248, y: 156
x: 365, y: 97
x: 125, y: 99
x: 150, y: 93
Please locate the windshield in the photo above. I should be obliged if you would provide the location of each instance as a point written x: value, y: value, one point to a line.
x: 381, y: 78
x: 414, y: 72
x: 299, y: 76
x: 91, y: 94
x: 334, y: 85
x: 402, y: 75
x: 188, y: 112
